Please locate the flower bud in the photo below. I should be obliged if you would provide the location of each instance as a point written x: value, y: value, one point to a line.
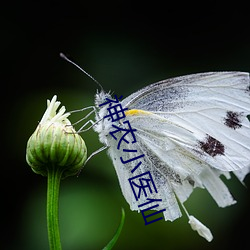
x: 55, y: 144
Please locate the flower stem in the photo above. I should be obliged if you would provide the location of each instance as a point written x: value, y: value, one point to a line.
x: 54, y: 177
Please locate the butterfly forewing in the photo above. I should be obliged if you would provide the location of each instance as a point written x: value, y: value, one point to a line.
x: 211, y: 107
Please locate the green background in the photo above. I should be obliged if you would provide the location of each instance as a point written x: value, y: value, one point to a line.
x: 125, y: 46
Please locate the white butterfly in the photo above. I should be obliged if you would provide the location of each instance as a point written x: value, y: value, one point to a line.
x: 190, y: 130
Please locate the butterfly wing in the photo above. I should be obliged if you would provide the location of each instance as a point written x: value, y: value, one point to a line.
x: 191, y: 130
x: 212, y: 106
x: 149, y: 163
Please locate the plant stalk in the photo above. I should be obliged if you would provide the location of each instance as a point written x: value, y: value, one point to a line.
x: 53, y: 185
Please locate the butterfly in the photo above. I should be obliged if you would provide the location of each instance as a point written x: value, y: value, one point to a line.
x: 190, y: 130
x: 184, y: 132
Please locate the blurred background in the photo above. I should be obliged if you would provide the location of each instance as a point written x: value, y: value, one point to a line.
x: 125, y: 45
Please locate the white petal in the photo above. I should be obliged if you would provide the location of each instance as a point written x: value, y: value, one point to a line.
x: 51, y: 114
x: 50, y: 109
x: 200, y: 228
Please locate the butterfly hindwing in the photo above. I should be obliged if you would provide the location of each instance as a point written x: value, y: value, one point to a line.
x: 149, y: 163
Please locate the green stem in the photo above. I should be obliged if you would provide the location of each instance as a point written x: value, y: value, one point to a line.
x: 54, y: 177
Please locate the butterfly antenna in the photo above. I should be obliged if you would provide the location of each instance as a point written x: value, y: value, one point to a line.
x: 86, y: 73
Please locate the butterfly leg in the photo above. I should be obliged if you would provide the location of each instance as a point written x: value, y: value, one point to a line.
x: 81, y: 129
x: 96, y: 152
x: 91, y: 155
x: 86, y: 116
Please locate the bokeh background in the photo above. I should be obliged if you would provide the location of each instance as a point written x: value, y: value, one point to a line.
x: 125, y: 45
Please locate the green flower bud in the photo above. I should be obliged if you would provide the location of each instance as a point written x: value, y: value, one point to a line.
x: 55, y: 144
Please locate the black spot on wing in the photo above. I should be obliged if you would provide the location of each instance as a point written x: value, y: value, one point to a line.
x: 233, y: 119
x: 212, y: 146
x: 190, y: 181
